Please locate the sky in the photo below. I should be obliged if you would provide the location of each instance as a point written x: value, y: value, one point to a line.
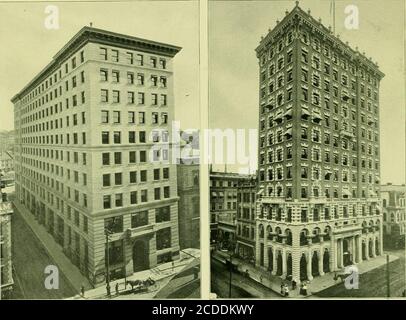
x: 235, y: 29
x: 30, y: 46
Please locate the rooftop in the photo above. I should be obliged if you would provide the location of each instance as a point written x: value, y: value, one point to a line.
x: 90, y: 34
x: 326, y: 31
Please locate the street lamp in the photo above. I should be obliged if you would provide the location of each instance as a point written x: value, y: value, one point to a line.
x: 107, y: 232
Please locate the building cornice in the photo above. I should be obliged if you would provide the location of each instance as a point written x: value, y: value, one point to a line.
x: 94, y: 35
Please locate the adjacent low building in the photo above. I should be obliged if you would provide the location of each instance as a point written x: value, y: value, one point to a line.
x: 246, y: 218
x: 394, y: 215
x: 6, y: 271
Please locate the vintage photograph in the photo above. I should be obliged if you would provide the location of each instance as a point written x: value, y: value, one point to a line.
x: 99, y: 153
x: 321, y: 211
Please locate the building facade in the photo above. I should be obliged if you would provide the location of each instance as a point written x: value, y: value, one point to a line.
x: 189, y: 203
x: 246, y: 218
x: 223, y: 207
x: 394, y: 214
x: 319, y: 164
x: 6, y: 161
x: 92, y: 152
x: 6, y: 271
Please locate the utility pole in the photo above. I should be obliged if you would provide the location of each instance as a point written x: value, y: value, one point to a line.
x: 387, y: 276
x: 107, y: 232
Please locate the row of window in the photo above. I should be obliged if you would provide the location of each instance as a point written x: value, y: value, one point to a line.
x: 115, y: 76
x: 131, y: 58
x: 117, y: 177
x: 116, y: 200
x: 156, y: 118
x: 104, y: 97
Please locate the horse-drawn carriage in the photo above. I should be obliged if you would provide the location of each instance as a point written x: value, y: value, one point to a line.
x: 138, y: 286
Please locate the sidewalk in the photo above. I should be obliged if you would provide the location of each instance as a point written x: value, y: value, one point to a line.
x: 162, y: 274
x: 71, y: 272
x: 317, y: 284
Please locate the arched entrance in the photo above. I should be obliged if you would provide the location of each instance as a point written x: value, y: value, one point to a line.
x: 315, y: 264
x: 326, y: 261
x: 140, y: 256
x: 370, y: 247
x: 289, y: 265
x: 279, y: 264
x: 270, y: 259
x: 377, y: 247
x: 303, y: 268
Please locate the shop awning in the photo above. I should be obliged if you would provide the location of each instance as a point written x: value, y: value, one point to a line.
x: 288, y: 113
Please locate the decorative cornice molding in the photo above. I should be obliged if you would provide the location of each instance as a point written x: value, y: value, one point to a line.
x: 298, y: 17
x: 94, y: 35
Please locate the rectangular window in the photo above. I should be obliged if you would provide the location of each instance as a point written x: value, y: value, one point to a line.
x: 130, y: 97
x: 119, y: 199
x: 131, y: 117
x: 105, y: 137
x: 104, y: 95
x: 103, y: 53
x: 132, y: 157
x: 117, y: 137
x: 133, y: 176
x: 106, y: 180
x: 139, y: 219
x: 141, y: 98
x: 106, y: 158
x: 117, y: 158
x: 133, y: 197
x: 114, y: 55
x: 131, y: 137
x: 116, y: 116
x: 130, y: 78
x: 116, y: 96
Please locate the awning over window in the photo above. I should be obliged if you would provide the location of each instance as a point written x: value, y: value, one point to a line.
x: 378, y: 207
x: 377, y: 179
x: 305, y: 113
x: 288, y: 132
x: 316, y: 116
x: 221, y: 194
x: 278, y: 116
x: 214, y: 194
x: 346, y: 192
x: 261, y: 191
x: 288, y: 113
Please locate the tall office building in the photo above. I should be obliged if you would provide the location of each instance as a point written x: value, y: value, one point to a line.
x: 319, y: 206
x: 93, y: 155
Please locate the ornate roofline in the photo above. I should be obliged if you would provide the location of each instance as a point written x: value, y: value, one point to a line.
x: 94, y: 35
x: 325, y: 32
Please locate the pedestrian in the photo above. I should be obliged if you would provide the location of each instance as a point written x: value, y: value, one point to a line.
x: 82, y: 290
x: 286, y: 290
x: 117, y: 292
x: 173, y: 265
x: 294, y: 284
x: 260, y: 278
x: 282, y: 289
x: 305, y: 289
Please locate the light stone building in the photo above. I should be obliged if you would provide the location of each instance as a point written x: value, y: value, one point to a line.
x: 93, y: 152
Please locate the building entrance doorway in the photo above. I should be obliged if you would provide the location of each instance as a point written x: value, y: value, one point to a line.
x: 347, y: 256
x: 140, y: 256
x: 303, y: 268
